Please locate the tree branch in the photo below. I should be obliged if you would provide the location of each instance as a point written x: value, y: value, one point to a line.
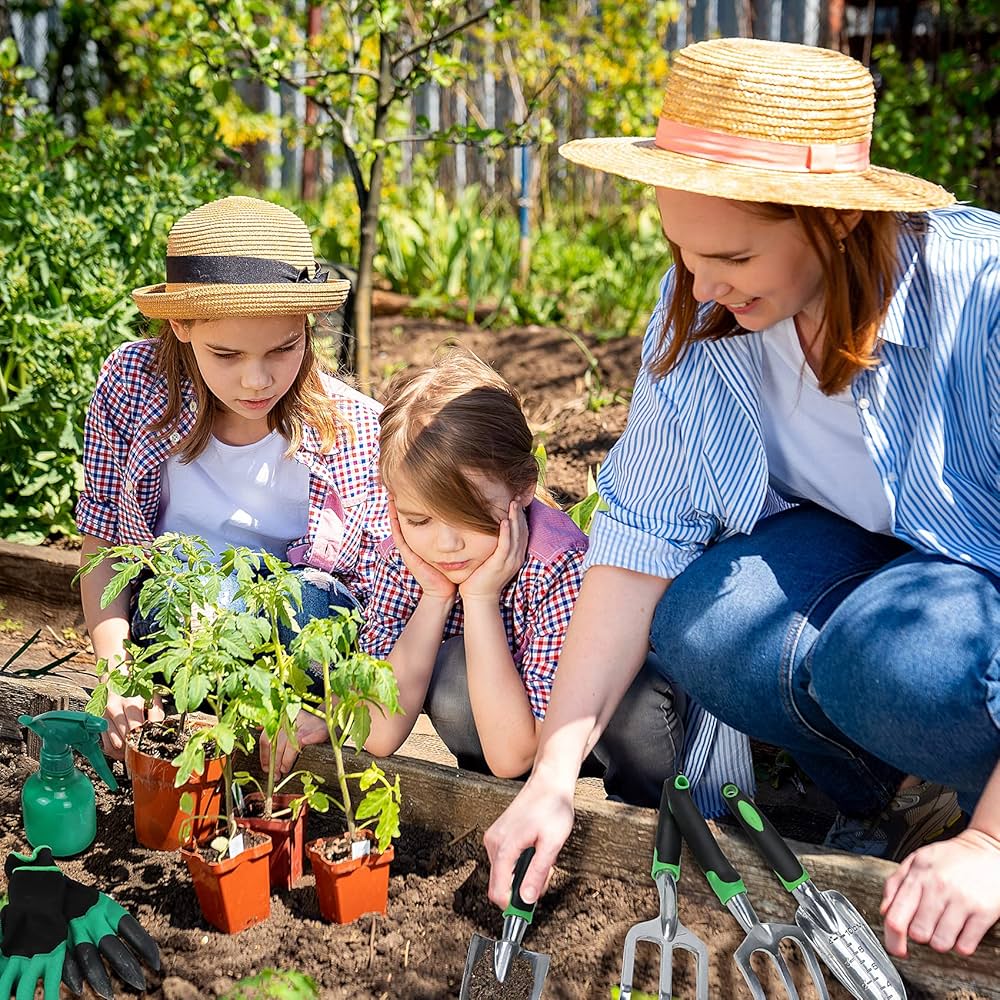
x: 433, y: 40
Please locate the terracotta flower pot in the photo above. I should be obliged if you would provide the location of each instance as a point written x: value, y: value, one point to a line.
x: 287, y: 838
x: 156, y: 803
x: 351, y: 887
x: 235, y: 893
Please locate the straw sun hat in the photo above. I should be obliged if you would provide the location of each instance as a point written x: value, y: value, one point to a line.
x: 764, y: 121
x: 240, y: 257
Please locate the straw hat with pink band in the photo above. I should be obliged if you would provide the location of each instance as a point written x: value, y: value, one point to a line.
x: 761, y: 121
x: 240, y: 257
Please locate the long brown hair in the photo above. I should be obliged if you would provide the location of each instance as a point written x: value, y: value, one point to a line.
x: 857, y: 287
x: 453, y: 418
x: 306, y: 401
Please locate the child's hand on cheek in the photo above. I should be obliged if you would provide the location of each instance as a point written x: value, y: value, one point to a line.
x: 432, y: 581
x: 508, y: 557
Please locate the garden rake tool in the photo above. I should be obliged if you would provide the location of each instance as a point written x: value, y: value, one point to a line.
x: 732, y: 893
x: 482, y: 977
x: 840, y: 935
x: 665, y: 930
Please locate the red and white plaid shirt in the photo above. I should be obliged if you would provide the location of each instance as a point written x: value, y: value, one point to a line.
x: 122, y: 459
x: 535, y: 606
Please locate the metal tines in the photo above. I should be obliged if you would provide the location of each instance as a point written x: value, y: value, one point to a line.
x: 490, y: 964
x: 731, y: 892
x: 665, y: 930
x: 837, y: 931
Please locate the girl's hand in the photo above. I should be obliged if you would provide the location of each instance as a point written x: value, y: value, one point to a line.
x: 124, y: 715
x: 945, y: 895
x: 309, y: 729
x: 508, y: 557
x: 432, y: 581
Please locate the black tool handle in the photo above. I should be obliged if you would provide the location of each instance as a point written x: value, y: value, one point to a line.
x: 667, y: 856
x: 769, y: 842
x: 721, y: 875
x: 517, y: 906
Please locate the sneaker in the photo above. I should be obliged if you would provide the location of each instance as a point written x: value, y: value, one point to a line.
x: 917, y: 816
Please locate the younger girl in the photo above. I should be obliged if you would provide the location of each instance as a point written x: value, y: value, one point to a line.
x: 227, y: 426
x: 474, y: 590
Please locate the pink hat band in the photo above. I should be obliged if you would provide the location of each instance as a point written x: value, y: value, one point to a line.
x: 722, y: 147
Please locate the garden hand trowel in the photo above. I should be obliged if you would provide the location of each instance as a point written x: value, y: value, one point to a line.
x: 503, y: 969
x: 840, y: 935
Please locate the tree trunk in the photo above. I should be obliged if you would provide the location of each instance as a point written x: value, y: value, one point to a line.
x: 369, y: 225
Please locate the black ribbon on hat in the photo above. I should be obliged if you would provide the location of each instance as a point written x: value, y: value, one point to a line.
x: 200, y: 270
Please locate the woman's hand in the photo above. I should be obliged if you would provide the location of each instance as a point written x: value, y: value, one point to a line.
x: 540, y: 815
x: 432, y: 581
x: 124, y: 715
x: 309, y: 730
x: 502, y: 566
x: 945, y: 895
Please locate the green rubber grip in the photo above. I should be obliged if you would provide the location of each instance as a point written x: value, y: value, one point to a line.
x: 768, y: 841
x: 667, y: 850
x: 517, y: 907
x: 721, y: 875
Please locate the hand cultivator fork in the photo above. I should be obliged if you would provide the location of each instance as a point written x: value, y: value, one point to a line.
x: 729, y: 888
x: 665, y: 930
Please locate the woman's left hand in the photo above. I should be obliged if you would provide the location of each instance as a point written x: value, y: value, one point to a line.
x: 945, y: 895
x: 508, y: 557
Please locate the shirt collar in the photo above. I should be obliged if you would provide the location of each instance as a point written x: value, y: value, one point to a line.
x: 905, y: 323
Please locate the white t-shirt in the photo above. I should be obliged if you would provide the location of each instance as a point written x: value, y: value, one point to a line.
x: 237, y: 495
x: 815, y: 449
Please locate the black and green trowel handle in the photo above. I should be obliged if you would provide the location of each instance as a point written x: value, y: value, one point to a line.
x: 720, y: 874
x: 667, y: 850
x: 517, y: 907
x: 768, y: 841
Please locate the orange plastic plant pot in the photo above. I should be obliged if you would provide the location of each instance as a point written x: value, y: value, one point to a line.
x: 347, y: 889
x: 287, y: 839
x: 156, y: 803
x: 233, y: 894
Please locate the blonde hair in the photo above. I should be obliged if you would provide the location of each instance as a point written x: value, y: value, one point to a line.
x: 857, y: 287
x: 305, y: 403
x: 453, y: 418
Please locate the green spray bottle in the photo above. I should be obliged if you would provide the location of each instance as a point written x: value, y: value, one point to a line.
x: 58, y: 799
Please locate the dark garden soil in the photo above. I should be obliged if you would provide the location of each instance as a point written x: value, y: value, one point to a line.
x: 437, y: 901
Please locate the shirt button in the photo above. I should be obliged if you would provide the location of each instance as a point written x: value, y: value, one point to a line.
x: 891, y: 477
x: 129, y: 486
x: 863, y: 404
x: 175, y: 437
x: 193, y: 406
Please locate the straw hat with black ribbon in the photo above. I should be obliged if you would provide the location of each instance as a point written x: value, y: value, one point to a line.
x: 761, y: 121
x: 240, y: 257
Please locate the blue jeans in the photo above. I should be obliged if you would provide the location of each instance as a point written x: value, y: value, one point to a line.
x: 865, y: 659
x: 638, y: 750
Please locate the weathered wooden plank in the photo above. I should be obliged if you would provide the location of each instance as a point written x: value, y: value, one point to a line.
x: 39, y: 572
x: 24, y: 696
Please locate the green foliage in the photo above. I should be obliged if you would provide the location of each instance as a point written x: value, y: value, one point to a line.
x: 583, y: 511
x: 83, y: 220
x: 353, y: 685
x: 937, y: 121
x: 600, y: 276
x: 274, y: 984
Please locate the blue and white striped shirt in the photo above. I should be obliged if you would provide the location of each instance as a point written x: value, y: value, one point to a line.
x: 690, y: 468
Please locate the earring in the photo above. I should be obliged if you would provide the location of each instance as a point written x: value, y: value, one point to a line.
x: 840, y: 246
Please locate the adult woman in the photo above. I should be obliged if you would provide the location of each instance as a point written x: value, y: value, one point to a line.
x: 828, y: 342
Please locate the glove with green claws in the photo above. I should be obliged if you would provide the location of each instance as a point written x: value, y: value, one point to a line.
x: 91, y: 925
x: 32, y: 927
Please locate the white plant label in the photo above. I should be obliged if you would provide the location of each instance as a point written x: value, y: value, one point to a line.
x: 236, y: 845
x: 360, y: 849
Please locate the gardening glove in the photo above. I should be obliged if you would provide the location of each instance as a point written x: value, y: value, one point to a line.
x: 98, y: 926
x: 32, y: 927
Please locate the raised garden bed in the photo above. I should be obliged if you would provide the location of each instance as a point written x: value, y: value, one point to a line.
x: 437, y: 897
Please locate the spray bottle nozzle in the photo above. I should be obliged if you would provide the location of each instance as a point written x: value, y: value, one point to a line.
x: 62, y: 732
